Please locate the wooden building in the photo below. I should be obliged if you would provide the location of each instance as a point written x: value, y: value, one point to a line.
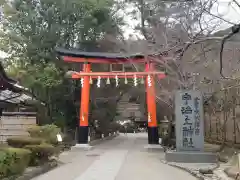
x: 15, y: 111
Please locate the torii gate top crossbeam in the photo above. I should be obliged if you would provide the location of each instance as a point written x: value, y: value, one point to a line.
x: 100, y: 57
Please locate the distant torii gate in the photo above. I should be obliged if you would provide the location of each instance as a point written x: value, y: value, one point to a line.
x: 111, y: 58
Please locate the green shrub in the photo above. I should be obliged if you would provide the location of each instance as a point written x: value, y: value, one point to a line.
x: 41, y: 153
x: 13, y: 161
x: 46, y: 132
x: 35, y: 131
x: 20, y: 142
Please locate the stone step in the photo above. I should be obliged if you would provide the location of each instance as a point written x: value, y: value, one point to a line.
x: 124, y: 108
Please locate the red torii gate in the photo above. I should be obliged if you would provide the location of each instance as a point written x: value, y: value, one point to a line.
x: 111, y: 58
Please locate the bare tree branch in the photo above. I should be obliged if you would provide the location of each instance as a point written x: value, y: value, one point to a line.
x: 235, y: 29
x: 235, y: 1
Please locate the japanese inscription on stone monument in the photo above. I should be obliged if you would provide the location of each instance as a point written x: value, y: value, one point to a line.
x: 189, y: 121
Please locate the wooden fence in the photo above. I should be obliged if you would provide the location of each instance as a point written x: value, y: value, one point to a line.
x: 15, y: 124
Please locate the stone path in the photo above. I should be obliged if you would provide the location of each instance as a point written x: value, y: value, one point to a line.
x: 106, y: 167
x: 123, y: 158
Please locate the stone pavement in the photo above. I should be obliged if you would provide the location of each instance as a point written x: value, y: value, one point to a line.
x: 123, y: 158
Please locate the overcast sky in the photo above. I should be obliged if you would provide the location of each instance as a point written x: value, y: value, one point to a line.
x: 230, y: 12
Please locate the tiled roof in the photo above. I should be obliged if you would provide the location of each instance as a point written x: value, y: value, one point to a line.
x: 14, y: 98
x: 11, y: 91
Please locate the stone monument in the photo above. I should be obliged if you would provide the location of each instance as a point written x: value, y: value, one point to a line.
x: 189, y: 129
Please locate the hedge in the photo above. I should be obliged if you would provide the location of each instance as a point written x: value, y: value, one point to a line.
x: 20, y: 142
x: 46, y: 132
x: 41, y: 153
x: 13, y: 161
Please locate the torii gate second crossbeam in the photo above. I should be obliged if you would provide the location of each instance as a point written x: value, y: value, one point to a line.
x: 111, y: 58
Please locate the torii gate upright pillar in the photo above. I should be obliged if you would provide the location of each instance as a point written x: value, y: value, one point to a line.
x: 84, y: 107
x: 153, y: 137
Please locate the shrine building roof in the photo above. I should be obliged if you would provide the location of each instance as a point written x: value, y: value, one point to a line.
x: 11, y: 91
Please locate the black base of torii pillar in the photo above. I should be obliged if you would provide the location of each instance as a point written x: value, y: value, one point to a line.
x: 153, y: 137
x: 82, y: 135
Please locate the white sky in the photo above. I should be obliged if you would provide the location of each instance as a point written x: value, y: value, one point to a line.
x: 228, y: 11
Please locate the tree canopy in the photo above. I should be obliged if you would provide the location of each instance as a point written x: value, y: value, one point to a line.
x: 32, y: 29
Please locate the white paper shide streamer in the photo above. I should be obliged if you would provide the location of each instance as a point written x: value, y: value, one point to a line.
x: 99, y: 82
x: 117, y: 82
x: 149, y: 81
x: 82, y: 82
x: 135, y: 80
